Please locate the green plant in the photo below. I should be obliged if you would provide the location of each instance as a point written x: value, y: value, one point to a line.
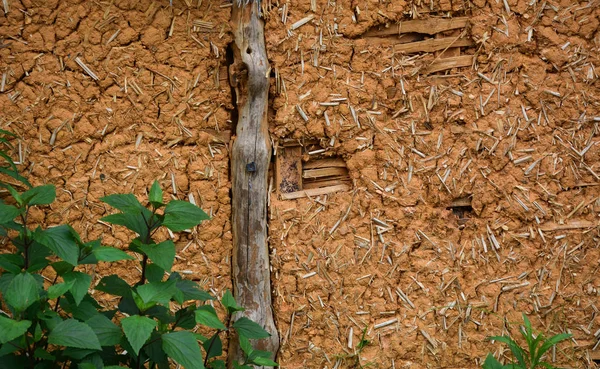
x: 8, y: 166
x: 537, y: 346
x: 55, y: 322
x: 355, y: 358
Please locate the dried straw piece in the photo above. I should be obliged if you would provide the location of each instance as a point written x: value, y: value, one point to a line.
x: 302, y: 22
x: 86, y: 69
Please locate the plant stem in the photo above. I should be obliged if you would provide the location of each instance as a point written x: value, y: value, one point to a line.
x: 26, y: 241
x: 29, y: 350
x: 144, y: 263
x: 210, y: 347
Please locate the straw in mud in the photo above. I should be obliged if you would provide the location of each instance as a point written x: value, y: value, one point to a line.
x: 86, y: 68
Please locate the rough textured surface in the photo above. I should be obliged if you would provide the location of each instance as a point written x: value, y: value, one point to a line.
x: 161, y: 96
x: 519, y: 127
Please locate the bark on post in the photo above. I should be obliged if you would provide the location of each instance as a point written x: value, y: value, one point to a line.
x: 250, y: 157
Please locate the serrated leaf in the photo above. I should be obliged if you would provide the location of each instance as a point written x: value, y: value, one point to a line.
x: 61, y: 241
x: 134, y: 222
x: 61, y: 267
x: 109, y: 334
x: 245, y: 345
x: 250, y: 329
x: 41, y: 195
x: 81, y: 284
x: 181, y: 215
x: 191, y: 291
x: 8, y: 213
x: 110, y: 254
x: 207, y: 316
x: 182, y: 347
x: 127, y: 203
x: 162, y: 254
x: 114, y: 285
x: 11, y: 329
x: 12, y: 263
x: 229, y: 302
x: 59, y: 289
x: 158, y: 292
x: 185, y: 318
x: 22, y: 291
x: 156, y: 195
x: 137, y: 329
x: 72, y: 333
x: 213, y: 346
x: 154, y: 273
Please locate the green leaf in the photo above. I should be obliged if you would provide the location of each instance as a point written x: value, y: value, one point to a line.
x: 554, y: 340
x: 86, y: 366
x: 72, y: 333
x: 213, y: 346
x: 13, y: 361
x: 516, y: 350
x: 109, y: 254
x: 240, y: 366
x: 14, y: 193
x: 154, y: 273
x: 217, y: 364
x: 59, y: 289
x: 245, y: 345
x: 134, y: 222
x: 108, y: 333
x: 114, y: 285
x: 42, y: 354
x: 8, y: 213
x: 41, y: 195
x: 158, y: 292
x: 156, y: 195
x: 137, y: 330
x: 59, y: 240
x: 155, y: 352
x: 81, y: 284
x: 162, y: 254
x: 207, y: 316
x: 12, y: 263
x: 185, y: 318
x: 181, y: 215
x: 127, y: 203
x: 229, y: 302
x: 11, y: 329
x: 18, y: 177
x: 491, y: 363
x: 263, y: 361
x: 250, y: 329
x: 22, y: 292
x: 182, y: 347
x: 189, y: 290
x: 61, y: 267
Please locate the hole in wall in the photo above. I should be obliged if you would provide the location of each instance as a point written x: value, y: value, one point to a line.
x: 461, y: 207
x: 305, y: 169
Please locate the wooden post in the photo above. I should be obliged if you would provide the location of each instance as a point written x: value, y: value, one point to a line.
x: 250, y: 157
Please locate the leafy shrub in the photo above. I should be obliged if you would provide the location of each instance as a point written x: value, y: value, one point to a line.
x: 530, y: 359
x: 57, y: 323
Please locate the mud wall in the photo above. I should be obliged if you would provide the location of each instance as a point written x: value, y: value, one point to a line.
x: 158, y: 107
x: 516, y: 133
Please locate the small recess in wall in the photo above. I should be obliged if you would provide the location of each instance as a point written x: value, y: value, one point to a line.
x: 319, y: 175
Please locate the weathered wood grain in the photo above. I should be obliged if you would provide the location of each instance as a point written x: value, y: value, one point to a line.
x: 250, y: 159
